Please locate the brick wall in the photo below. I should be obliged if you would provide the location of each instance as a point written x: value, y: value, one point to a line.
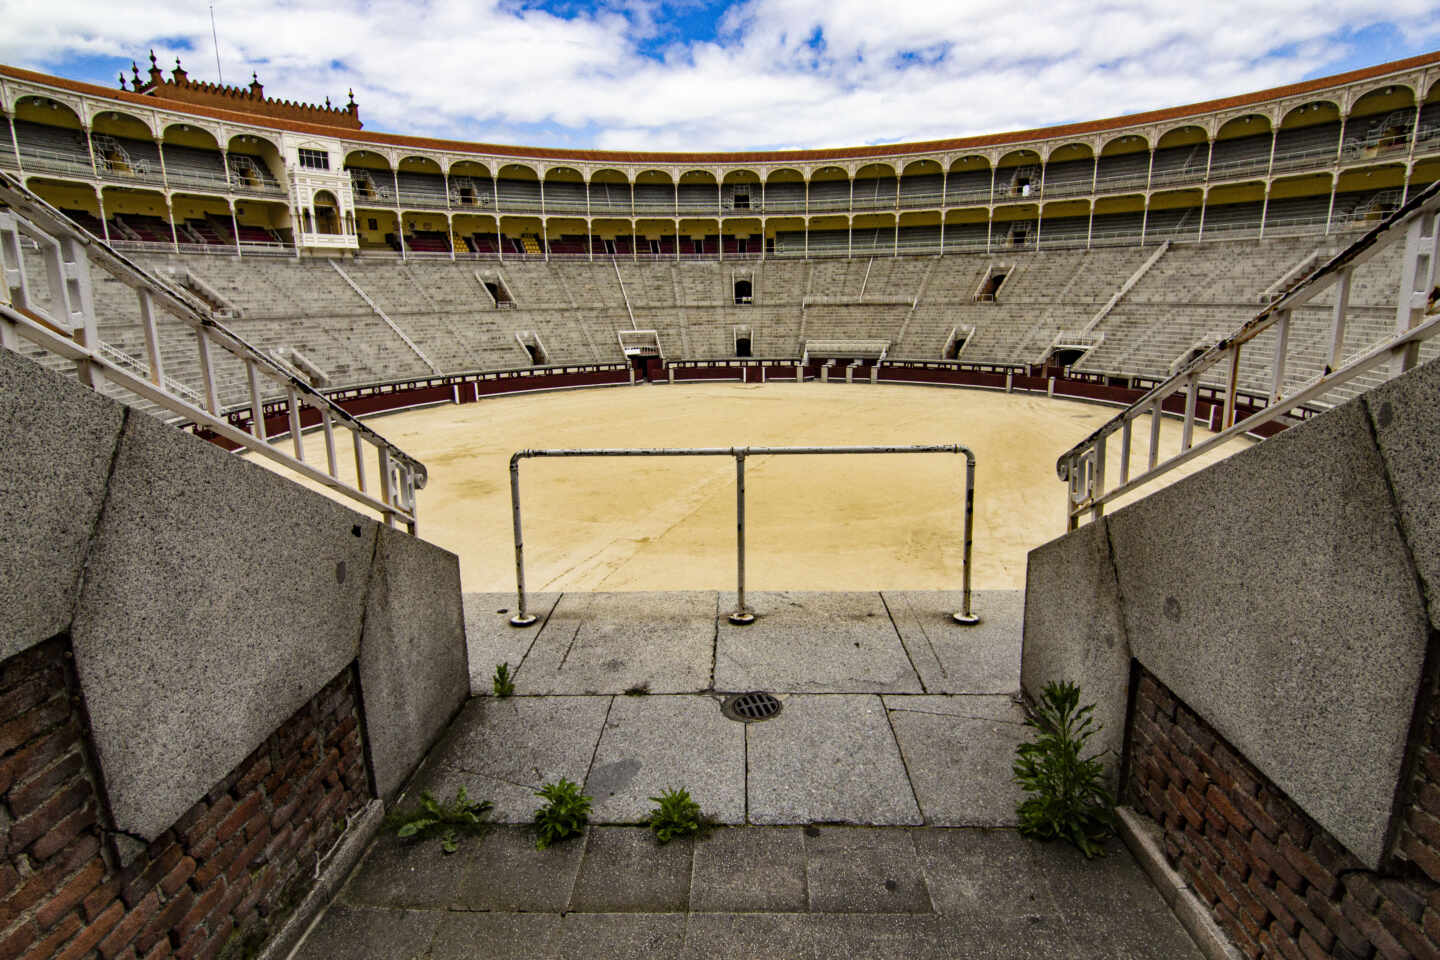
x: 216, y: 884
x: 1277, y: 883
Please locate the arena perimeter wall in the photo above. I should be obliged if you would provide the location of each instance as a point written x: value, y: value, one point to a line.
x: 208, y: 676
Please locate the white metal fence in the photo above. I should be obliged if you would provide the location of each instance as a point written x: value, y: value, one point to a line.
x: 65, y: 324
x: 1417, y: 318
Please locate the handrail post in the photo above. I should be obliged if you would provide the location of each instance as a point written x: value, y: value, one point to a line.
x: 522, y: 618
x: 742, y: 614
x: 966, y: 616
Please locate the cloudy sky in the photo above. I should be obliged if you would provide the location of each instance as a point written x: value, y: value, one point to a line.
x: 716, y: 74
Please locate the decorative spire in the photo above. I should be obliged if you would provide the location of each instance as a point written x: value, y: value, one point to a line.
x: 152, y: 58
x: 327, y: 103
x: 352, y: 96
x: 122, y: 79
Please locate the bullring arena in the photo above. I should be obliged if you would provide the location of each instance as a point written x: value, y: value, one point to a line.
x: 265, y: 374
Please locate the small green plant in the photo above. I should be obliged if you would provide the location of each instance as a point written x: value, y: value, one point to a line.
x: 444, y: 820
x: 676, y: 816
x: 564, y: 814
x: 504, y: 686
x: 1067, y: 795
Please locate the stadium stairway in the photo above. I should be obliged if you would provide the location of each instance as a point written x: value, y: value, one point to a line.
x: 873, y: 816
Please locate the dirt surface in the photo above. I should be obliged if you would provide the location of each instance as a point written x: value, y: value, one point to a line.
x: 813, y: 523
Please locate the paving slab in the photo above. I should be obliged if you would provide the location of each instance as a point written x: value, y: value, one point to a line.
x: 750, y: 869
x: 863, y: 870
x: 819, y: 936
x: 376, y: 934
x: 812, y: 643
x: 491, y: 639
x: 982, y: 871
x: 952, y: 658
x: 613, y: 642
x: 503, y: 750
x: 626, y: 870
x: 960, y: 752
x: 827, y: 758
x: 502, y: 870
x: 401, y: 873
x: 655, y: 743
x: 547, y: 936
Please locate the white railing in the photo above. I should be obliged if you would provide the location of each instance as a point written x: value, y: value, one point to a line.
x: 66, y: 325
x: 1083, y: 467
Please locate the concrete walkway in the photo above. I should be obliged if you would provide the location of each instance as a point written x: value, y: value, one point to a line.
x: 872, y: 817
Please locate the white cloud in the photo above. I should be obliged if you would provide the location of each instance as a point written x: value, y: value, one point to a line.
x: 904, y: 70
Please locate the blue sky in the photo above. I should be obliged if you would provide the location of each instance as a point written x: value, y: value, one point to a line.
x: 727, y: 74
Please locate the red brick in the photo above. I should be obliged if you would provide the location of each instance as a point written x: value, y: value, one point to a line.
x: 200, y: 910
x: 1256, y: 815
x: 31, y: 724
x: 98, y: 899
x: 247, y: 856
x: 217, y: 863
x: 1183, y: 807
x: 176, y: 878
x: 1430, y: 923
x: 44, y: 784
x: 1404, y: 930
x: 1282, y: 917
x: 1328, y: 912
x: 1286, y: 873
x: 63, y: 832
x: 258, y: 769
x: 27, y: 830
x: 1214, y: 769
x: 39, y: 884
x: 161, y: 863
x: 1429, y: 797
x: 1310, y: 949
x: 15, y: 942
x: 1422, y: 854
x: 217, y: 812
x: 47, y: 947
x: 1239, y: 934
x: 1368, y: 924
x: 69, y: 896
x: 1424, y: 825
x: 127, y: 929
x: 216, y: 941
x: 1309, y: 867
x: 1278, y: 943
x: 1297, y: 906
x: 237, y: 817
x: 1249, y: 905
x: 160, y: 951
x: 165, y: 921
x: 1430, y: 760
x: 93, y: 934
x: 1363, y: 890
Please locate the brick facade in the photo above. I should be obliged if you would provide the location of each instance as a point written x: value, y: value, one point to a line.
x: 216, y: 884
x: 1278, y: 883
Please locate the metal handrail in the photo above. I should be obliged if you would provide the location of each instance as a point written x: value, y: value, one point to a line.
x: 742, y: 614
x: 1417, y: 319
x: 68, y: 328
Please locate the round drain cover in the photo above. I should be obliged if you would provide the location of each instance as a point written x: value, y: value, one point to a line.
x: 750, y: 707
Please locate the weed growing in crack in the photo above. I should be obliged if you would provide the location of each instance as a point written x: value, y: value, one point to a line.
x: 564, y: 814
x: 502, y: 683
x: 1067, y: 795
x: 444, y: 820
x: 677, y: 815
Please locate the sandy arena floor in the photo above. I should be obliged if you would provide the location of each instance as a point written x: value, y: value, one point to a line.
x: 813, y: 523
